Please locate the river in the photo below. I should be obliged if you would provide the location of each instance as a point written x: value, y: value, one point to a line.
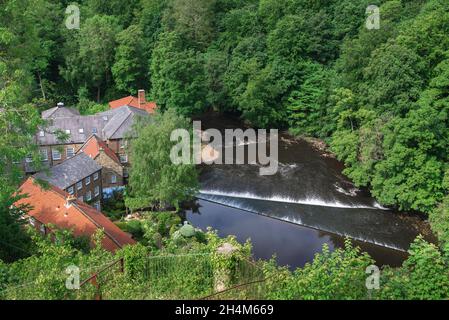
x: 307, y: 203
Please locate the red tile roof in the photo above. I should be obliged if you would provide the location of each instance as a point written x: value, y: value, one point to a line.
x: 49, y: 207
x: 133, y: 102
x: 92, y: 148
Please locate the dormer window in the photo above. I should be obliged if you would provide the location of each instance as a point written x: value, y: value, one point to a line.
x: 41, y: 133
x: 94, y: 130
x: 105, y: 118
x: 81, y: 130
x: 67, y: 131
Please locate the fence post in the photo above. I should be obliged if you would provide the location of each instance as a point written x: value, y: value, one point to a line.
x: 222, y: 272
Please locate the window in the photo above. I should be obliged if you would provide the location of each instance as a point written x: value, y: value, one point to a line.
x: 97, y: 191
x: 123, y: 143
x: 88, y: 196
x: 81, y: 130
x: 41, y: 133
x: 44, y: 154
x: 56, y: 155
x: 70, y: 152
x: 70, y: 190
x: 87, y: 181
x: 67, y: 131
x: 79, y: 185
x: 123, y: 158
x: 105, y: 118
x: 113, y: 178
x: 81, y: 198
x: 29, y: 158
x: 32, y: 221
x: 125, y: 172
x: 96, y: 176
x: 97, y: 205
x: 42, y: 229
x: 94, y: 130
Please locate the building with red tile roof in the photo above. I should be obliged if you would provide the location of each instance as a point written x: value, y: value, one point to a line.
x: 139, y: 102
x: 56, y: 207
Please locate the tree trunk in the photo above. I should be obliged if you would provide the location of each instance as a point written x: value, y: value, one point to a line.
x: 41, y: 85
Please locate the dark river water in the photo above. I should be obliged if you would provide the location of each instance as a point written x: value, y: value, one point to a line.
x: 306, y: 204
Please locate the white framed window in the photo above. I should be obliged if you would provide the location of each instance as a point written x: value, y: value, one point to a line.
x: 123, y: 143
x: 55, y: 154
x: 71, y: 190
x: 79, y: 185
x: 113, y: 178
x: 67, y: 131
x: 32, y: 221
x: 81, y: 130
x: 29, y: 158
x: 105, y: 118
x: 88, y: 196
x: 96, y: 176
x: 87, y: 181
x: 44, y: 154
x: 70, y: 152
x: 41, y: 133
x: 97, y: 191
x: 123, y: 158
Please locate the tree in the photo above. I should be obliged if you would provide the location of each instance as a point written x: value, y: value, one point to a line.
x: 423, y: 276
x: 178, y: 77
x: 194, y: 20
x: 19, y: 122
x: 154, y: 179
x: 90, y: 55
x: 129, y: 70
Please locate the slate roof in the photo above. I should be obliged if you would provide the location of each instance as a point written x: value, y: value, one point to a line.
x: 59, y: 112
x: 70, y: 171
x: 49, y: 207
x: 111, y: 124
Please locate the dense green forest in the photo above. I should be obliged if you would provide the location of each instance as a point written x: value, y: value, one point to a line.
x: 379, y: 97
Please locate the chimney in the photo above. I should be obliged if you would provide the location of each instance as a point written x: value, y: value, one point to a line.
x: 70, y: 200
x: 60, y: 104
x: 141, y: 97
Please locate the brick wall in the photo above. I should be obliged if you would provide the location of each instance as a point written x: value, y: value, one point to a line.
x: 86, y: 188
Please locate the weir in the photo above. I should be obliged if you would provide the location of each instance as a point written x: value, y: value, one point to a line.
x: 366, y: 224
